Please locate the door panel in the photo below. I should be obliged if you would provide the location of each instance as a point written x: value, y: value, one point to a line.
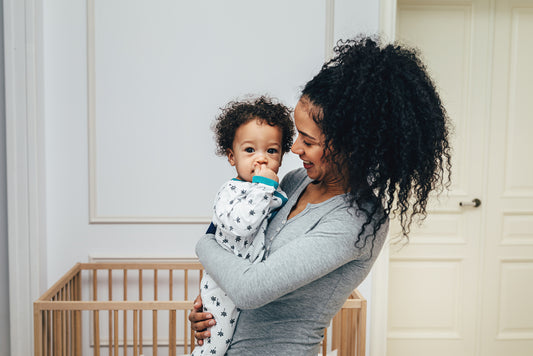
x: 507, y: 324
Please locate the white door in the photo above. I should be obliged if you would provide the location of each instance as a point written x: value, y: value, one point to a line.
x: 460, y: 287
x: 507, y: 309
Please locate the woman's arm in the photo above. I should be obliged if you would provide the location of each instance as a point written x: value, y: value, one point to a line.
x: 329, y: 245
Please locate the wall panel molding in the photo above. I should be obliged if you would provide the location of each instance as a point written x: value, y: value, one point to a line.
x: 118, y: 192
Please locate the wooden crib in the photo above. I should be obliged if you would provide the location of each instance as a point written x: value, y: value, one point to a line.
x: 142, y: 309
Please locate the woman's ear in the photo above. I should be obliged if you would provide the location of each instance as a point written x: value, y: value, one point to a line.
x: 231, y: 156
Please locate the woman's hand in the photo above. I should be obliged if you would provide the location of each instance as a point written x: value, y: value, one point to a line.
x: 200, y: 321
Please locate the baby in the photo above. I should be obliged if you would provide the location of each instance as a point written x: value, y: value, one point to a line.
x: 254, y: 135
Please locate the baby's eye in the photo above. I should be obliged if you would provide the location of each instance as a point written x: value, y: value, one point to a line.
x: 272, y: 151
x: 249, y: 150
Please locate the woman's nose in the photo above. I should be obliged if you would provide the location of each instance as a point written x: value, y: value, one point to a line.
x: 296, y: 149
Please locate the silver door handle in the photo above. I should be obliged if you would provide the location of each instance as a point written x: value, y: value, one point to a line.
x: 474, y: 203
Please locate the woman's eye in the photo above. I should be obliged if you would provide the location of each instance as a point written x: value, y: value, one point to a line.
x: 272, y: 151
x: 249, y: 150
x: 306, y: 143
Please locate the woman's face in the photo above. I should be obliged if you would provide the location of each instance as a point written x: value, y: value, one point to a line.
x: 309, y: 145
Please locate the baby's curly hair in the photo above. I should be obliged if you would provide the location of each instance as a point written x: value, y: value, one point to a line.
x: 239, y: 112
x: 385, y: 127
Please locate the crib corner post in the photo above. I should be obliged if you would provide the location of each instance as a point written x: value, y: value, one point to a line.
x: 361, y: 329
x: 37, y: 330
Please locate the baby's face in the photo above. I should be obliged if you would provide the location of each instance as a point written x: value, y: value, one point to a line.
x: 255, y: 143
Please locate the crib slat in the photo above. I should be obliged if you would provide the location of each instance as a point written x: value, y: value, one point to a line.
x: 185, y: 333
x: 125, y: 287
x: 96, y: 316
x: 171, y: 316
x: 154, y: 320
x: 155, y: 284
x: 110, y: 297
x: 192, y: 340
x: 185, y: 284
x: 70, y: 323
x: 95, y: 284
x: 96, y: 329
x: 110, y: 332
x: 77, y: 314
x: 58, y: 323
x: 66, y: 332
x: 140, y: 313
x: 185, y: 294
x: 172, y: 333
x: 49, y: 333
x: 170, y: 285
x: 70, y: 319
x: 53, y: 338
x: 110, y: 283
x: 62, y: 325
x: 115, y: 331
x: 45, y: 333
x: 201, y: 275
x: 57, y: 334
x: 135, y: 331
x: 154, y: 332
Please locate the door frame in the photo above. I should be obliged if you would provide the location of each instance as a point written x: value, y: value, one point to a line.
x: 25, y: 169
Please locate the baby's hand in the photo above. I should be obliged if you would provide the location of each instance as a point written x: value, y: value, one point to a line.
x: 263, y: 171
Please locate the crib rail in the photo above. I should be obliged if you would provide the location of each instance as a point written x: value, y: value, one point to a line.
x: 142, y: 309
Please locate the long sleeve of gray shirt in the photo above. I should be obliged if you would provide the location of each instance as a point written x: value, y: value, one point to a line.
x: 314, y: 262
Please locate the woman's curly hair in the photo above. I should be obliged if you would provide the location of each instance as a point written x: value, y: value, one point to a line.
x: 385, y: 127
x: 239, y: 112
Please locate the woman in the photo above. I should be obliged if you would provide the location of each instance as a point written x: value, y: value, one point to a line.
x: 373, y: 138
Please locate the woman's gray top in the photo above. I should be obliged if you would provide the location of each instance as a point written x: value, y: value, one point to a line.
x: 312, y: 266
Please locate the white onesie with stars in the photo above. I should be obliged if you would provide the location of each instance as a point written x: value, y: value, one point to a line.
x: 241, y: 213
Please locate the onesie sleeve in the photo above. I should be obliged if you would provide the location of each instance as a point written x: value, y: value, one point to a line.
x: 328, y: 246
